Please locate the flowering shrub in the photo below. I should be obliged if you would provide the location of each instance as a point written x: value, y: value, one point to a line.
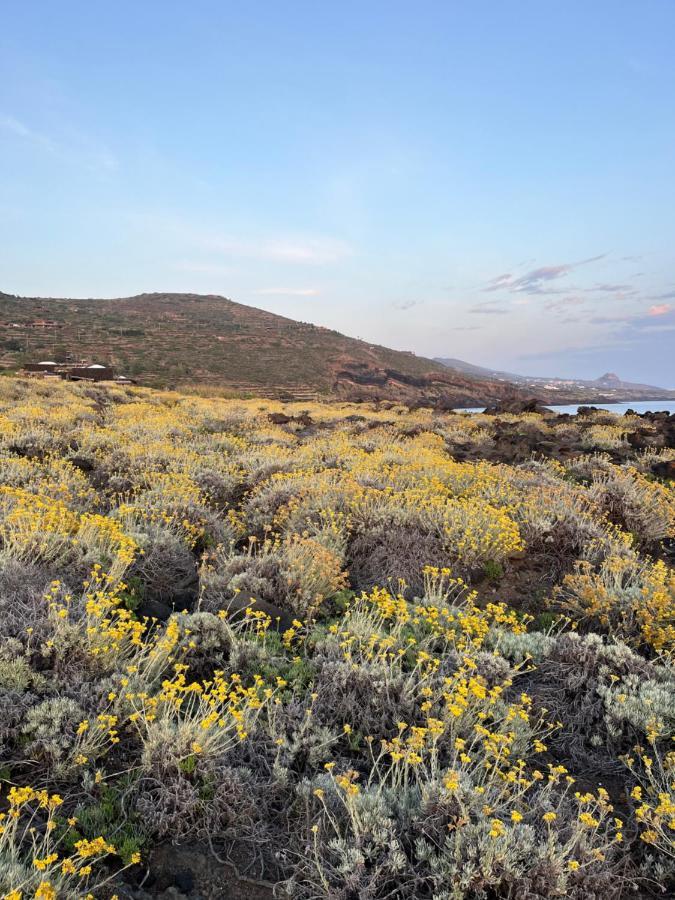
x: 631, y: 598
x: 33, y: 860
x: 361, y: 656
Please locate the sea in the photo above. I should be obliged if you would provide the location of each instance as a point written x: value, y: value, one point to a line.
x: 639, y: 406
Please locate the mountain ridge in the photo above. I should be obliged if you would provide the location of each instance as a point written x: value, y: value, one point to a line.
x: 179, y: 340
x: 607, y: 388
x: 185, y: 340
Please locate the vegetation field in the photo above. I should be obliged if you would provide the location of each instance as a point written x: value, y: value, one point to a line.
x: 354, y: 651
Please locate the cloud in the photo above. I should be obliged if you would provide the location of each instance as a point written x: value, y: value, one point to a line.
x: 407, y: 304
x: 500, y: 281
x: 287, y: 292
x: 310, y: 250
x: 611, y: 320
x: 536, y: 281
x: 18, y: 129
x: 611, y: 288
x: 220, y: 245
x: 563, y: 303
x: 571, y: 351
x: 638, y: 322
x: 534, y: 277
x: 199, y: 268
x: 669, y: 295
x: 80, y: 149
x: 489, y: 309
x: 656, y: 329
x: 660, y: 309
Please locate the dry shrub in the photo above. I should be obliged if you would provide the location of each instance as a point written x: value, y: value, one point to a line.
x: 204, y: 644
x: 642, y: 506
x: 397, y: 542
x: 368, y: 697
x: 49, y: 730
x: 254, y: 574
x: 604, y: 695
x: 219, y: 803
x: 311, y: 572
x: 166, y: 570
x: 22, y: 606
x: 220, y: 489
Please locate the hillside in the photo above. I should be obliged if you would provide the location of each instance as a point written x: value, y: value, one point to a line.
x: 181, y: 340
x: 606, y: 389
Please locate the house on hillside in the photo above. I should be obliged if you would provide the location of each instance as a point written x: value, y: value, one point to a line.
x: 69, y: 372
x: 42, y: 368
x: 44, y: 323
x: 93, y: 372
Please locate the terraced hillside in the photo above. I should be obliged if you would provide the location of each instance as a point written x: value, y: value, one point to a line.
x: 189, y: 339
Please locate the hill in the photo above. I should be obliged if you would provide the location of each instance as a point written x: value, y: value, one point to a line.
x: 606, y: 389
x: 183, y: 340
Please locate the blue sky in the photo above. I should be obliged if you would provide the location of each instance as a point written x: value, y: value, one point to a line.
x: 493, y: 181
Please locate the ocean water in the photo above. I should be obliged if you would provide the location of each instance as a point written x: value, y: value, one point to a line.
x: 639, y: 407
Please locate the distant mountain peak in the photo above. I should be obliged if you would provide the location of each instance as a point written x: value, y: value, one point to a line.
x: 609, y: 378
x: 606, y: 389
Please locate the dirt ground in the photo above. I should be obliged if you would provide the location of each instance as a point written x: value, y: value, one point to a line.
x: 191, y: 872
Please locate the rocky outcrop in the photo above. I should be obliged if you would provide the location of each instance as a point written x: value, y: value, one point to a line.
x: 517, y: 407
x: 445, y: 389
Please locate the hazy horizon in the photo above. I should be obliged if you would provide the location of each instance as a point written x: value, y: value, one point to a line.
x: 491, y: 182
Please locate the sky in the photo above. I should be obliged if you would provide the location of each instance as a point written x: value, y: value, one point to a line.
x: 493, y: 181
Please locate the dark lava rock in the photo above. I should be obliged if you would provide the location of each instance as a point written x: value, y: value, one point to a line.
x: 184, y: 880
x: 664, y: 469
x: 82, y: 463
x: 640, y: 439
x: 154, y: 609
x: 303, y: 419
x: 278, y: 418
x: 517, y: 407
x: 236, y: 607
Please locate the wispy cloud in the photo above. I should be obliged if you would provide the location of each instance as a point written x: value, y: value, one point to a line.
x: 489, y: 309
x: 611, y: 288
x: 537, y: 281
x: 500, y: 281
x: 77, y: 148
x: 19, y: 129
x: 407, y: 304
x: 309, y: 250
x: 638, y: 321
x: 660, y: 309
x: 212, y: 244
x: 611, y: 320
x: 201, y: 268
x: 562, y: 304
x: 575, y: 350
x: 657, y: 329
